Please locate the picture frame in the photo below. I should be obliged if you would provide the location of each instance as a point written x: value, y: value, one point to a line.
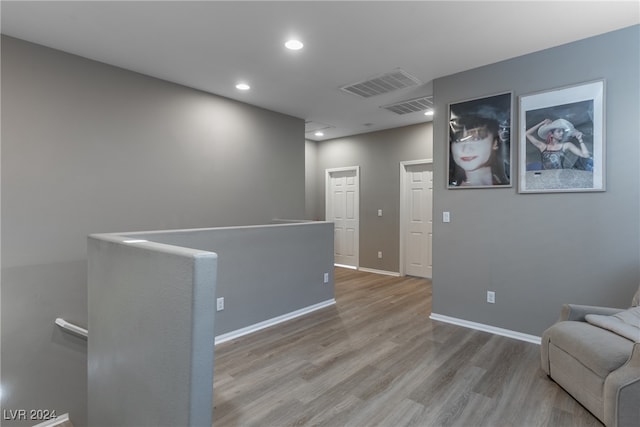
x: 480, y: 142
x: 561, y: 139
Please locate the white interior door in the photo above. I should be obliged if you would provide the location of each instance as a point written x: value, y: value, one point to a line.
x: 417, y: 230
x: 342, y: 207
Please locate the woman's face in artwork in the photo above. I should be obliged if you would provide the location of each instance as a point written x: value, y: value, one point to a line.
x: 473, y: 149
x: 557, y: 134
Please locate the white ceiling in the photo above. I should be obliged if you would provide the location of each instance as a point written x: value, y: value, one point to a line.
x: 211, y: 45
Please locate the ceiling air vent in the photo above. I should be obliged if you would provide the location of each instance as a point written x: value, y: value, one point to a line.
x: 411, y: 106
x: 311, y: 126
x: 384, y: 83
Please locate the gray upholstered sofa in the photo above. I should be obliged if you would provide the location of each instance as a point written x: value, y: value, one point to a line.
x: 594, y: 354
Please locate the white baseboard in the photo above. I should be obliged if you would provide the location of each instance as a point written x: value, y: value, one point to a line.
x: 487, y: 328
x: 368, y: 270
x: 54, y: 422
x: 272, y: 322
x: 350, y: 267
x: 386, y: 273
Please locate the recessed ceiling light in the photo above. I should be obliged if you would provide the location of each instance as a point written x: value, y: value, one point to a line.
x: 319, y: 133
x: 428, y: 113
x: 294, y: 44
x: 243, y: 86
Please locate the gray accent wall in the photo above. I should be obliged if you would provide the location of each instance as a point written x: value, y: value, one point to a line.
x: 311, y: 180
x: 379, y: 155
x: 90, y: 148
x: 538, y: 251
x: 264, y: 271
x: 151, y: 323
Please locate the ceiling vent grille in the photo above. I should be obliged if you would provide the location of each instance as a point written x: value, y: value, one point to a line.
x: 383, y: 83
x: 311, y: 126
x: 411, y: 106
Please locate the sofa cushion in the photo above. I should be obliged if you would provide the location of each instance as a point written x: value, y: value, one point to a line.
x: 626, y: 323
x: 597, y: 349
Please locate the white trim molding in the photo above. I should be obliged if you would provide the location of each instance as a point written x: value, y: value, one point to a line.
x: 487, y: 328
x: 350, y: 267
x: 416, y: 162
x: 383, y: 272
x: 272, y: 322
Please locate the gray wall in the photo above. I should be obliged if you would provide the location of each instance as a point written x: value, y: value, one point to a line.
x: 311, y: 180
x: 379, y: 155
x: 264, y: 271
x: 151, y: 323
x: 90, y: 148
x: 537, y: 251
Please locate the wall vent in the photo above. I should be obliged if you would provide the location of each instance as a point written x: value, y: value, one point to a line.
x: 411, y: 105
x: 383, y: 83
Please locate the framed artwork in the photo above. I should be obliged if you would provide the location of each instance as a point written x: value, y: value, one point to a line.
x: 561, y: 140
x: 480, y: 142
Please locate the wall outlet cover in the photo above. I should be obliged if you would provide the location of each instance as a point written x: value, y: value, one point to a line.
x: 491, y: 297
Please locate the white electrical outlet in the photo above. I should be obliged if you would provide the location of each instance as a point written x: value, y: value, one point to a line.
x: 380, y: 254
x: 326, y: 277
x: 446, y: 217
x: 220, y: 304
x: 491, y: 297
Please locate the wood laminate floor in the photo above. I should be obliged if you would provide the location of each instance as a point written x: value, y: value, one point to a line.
x: 376, y: 359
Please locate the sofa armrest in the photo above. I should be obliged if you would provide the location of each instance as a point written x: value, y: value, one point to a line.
x: 578, y: 312
x: 622, y: 393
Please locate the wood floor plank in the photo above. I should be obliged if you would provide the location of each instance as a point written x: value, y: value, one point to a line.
x: 376, y: 359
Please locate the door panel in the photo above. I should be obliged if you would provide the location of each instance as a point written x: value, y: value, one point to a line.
x: 343, y: 210
x: 418, y: 221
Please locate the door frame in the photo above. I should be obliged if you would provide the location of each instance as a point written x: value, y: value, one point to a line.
x: 327, y: 192
x: 403, y: 208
